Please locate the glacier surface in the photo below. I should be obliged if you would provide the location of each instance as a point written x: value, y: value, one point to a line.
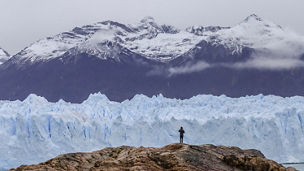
x: 35, y: 130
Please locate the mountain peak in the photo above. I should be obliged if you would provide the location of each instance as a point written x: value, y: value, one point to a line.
x: 254, y: 22
x: 4, y: 56
x: 3, y: 52
x: 253, y: 17
x: 148, y: 19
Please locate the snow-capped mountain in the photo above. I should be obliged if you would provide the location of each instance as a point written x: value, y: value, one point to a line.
x: 34, y: 130
x: 147, y: 38
x: 122, y: 60
x: 160, y: 42
x: 4, y: 56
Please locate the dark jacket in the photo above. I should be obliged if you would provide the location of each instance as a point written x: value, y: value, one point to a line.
x: 181, y: 132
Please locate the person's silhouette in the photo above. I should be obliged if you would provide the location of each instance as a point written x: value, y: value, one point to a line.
x: 181, y: 135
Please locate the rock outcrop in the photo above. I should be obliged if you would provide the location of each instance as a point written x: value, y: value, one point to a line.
x: 171, y: 157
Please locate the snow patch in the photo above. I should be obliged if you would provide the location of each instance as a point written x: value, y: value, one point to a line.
x: 164, y: 46
x: 4, y: 56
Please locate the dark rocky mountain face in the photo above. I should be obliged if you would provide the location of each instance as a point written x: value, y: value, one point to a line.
x: 213, y: 54
x: 121, y: 61
x: 74, y: 77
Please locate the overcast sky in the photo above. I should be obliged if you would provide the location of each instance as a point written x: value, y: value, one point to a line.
x: 25, y: 21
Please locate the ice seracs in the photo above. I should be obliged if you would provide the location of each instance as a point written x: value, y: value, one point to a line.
x: 4, y: 56
x: 35, y: 130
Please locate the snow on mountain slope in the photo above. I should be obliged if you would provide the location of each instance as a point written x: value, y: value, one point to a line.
x: 260, y: 34
x: 4, y: 56
x: 147, y: 38
x: 35, y: 130
x: 164, y: 42
x: 160, y: 42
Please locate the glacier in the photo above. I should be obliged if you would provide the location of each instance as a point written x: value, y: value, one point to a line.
x: 35, y: 130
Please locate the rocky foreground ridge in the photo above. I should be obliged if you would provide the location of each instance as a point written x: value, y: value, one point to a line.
x: 171, y: 157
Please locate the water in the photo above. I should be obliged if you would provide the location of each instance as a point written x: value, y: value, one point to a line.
x: 299, y: 167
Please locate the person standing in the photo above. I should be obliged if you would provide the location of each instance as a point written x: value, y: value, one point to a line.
x: 181, y: 135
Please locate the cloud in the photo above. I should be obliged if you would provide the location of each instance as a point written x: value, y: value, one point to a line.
x: 102, y: 35
x: 283, y: 53
x: 275, y: 49
x: 266, y: 63
x: 261, y: 61
x: 287, y: 44
x: 189, y: 68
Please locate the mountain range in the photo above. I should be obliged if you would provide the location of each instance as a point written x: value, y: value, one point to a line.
x: 255, y: 56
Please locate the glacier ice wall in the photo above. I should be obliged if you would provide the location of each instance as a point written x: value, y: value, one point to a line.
x: 35, y: 130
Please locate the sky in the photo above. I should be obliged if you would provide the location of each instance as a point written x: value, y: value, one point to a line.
x: 23, y: 22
